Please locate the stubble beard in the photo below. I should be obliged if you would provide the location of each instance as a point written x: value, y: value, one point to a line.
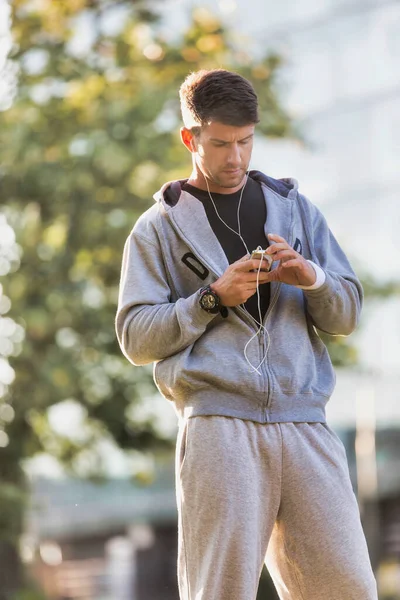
x: 224, y: 180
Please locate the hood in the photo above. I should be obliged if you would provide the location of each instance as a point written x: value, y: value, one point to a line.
x: 170, y: 192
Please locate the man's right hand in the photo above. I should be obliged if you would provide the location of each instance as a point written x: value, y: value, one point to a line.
x: 239, y: 281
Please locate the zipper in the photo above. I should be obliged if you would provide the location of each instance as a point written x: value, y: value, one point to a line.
x: 252, y: 323
x: 266, y: 350
x: 267, y: 316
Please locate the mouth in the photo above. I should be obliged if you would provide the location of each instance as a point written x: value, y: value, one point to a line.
x: 232, y: 171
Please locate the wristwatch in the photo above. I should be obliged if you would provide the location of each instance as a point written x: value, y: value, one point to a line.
x: 210, y: 302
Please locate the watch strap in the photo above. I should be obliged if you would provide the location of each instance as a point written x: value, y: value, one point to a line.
x: 223, y: 310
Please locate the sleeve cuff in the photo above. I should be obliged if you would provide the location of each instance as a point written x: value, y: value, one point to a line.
x: 320, y: 274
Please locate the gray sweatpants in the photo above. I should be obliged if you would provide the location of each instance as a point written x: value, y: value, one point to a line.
x: 279, y: 493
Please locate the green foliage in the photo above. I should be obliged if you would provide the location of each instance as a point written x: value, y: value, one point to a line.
x: 90, y: 137
x: 373, y: 289
x: 12, y: 503
x: 341, y: 350
x: 29, y: 594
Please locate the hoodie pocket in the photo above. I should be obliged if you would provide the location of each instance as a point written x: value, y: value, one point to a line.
x: 216, y: 361
x: 301, y: 363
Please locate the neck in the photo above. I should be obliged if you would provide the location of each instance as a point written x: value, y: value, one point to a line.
x: 198, y: 180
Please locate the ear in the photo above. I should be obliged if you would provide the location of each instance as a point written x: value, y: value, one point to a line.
x: 188, y: 139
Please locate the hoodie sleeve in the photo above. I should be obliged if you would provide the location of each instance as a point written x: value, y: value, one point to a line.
x: 335, y: 306
x: 149, y: 326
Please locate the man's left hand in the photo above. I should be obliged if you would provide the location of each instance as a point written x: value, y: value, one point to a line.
x: 293, y: 269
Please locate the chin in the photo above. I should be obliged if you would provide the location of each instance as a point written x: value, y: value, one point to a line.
x: 231, y: 181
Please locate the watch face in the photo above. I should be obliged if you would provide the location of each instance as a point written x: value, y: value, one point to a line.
x: 208, y: 301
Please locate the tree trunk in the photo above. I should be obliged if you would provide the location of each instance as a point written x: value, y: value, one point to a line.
x: 13, y: 497
x: 10, y: 570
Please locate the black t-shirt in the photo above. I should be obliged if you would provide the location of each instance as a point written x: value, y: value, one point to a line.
x: 253, y: 214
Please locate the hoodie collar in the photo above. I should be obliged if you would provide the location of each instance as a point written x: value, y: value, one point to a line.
x: 189, y: 217
x: 170, y: 193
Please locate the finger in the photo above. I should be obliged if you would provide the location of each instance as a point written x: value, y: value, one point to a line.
x: 276, y: 238
x: 285, y: 255
x: 276, y: 247
x: 262, y: 277
x: 295, y: 262
x: 252, y: 290
x: 249, y: 264
x: 244, y: 258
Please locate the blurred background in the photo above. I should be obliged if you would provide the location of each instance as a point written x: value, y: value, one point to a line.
x: 89, y: 123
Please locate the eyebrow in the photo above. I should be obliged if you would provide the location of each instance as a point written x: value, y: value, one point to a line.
x: 225, y: 142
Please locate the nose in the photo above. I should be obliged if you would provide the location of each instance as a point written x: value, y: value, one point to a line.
x: 234, y: 154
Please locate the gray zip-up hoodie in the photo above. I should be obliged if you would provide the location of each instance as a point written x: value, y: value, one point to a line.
x: 199, y: 357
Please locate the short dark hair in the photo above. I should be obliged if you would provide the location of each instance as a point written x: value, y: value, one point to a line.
x: 217, y: 95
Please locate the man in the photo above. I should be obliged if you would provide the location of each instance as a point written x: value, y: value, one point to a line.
x: 260, y: 476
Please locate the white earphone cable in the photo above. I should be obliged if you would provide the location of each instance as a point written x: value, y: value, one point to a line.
x: 261, y: 326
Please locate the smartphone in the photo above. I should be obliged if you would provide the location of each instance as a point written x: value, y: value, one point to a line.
x: 260, y: 254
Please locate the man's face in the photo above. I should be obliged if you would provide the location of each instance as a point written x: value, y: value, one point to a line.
x: 224, y: 152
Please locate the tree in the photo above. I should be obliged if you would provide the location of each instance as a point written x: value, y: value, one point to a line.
x: 91, y: 134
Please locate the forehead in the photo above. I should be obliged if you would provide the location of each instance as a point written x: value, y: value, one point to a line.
x: 226, y: 133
